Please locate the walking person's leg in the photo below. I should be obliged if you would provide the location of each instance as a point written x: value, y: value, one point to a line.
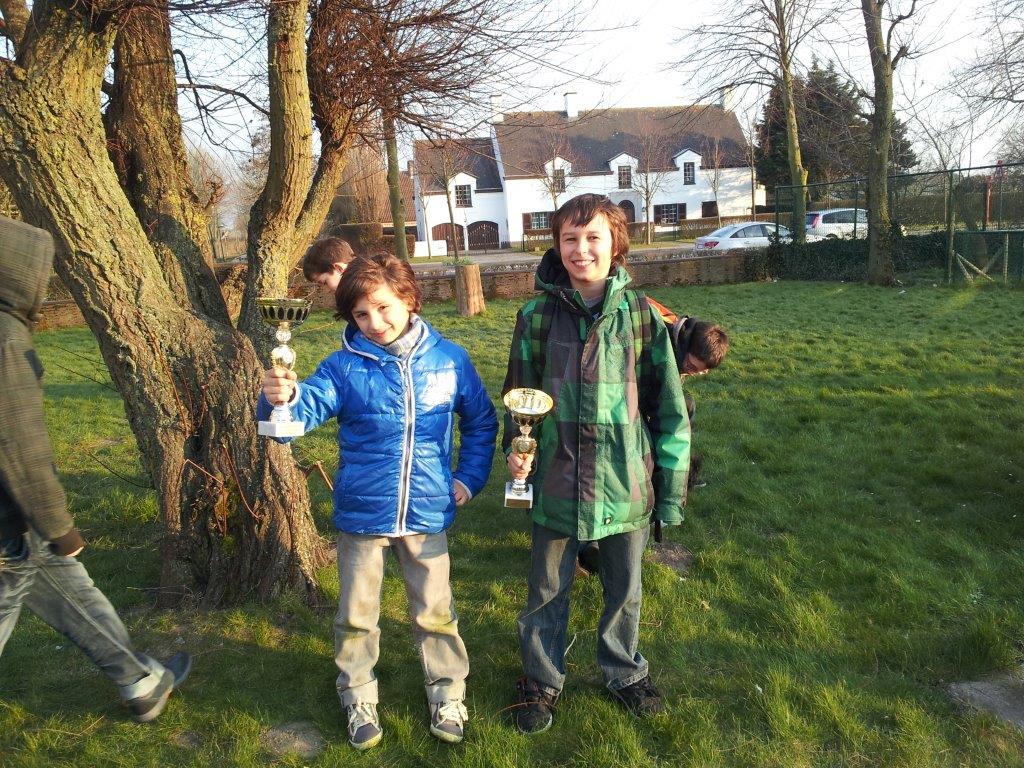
x: 64, y: 596
x: 426, y: 569
x: 17, y: 573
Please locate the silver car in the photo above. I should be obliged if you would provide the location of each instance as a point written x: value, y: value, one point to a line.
x: 744, y: 234
x: 838, y: 222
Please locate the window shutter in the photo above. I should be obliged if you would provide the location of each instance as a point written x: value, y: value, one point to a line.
x: 526, y: 221
x: 681, y: 211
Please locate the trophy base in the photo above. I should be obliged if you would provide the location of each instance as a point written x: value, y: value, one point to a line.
x: 518, y: 500
x: 282, y: 428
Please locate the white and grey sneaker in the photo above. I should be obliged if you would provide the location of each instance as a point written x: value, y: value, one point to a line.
x: 448, y: 720
x: 363, y: 725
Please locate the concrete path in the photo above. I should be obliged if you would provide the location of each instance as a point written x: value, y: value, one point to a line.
x: 1001, y: 695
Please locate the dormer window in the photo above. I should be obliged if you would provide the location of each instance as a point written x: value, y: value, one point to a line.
x: 625, y: 177
x: 463, y: 196
x: 689, y: 177
x: 558, y: 180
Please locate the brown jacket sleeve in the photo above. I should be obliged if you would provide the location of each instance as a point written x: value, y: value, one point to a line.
x: 26, y: 458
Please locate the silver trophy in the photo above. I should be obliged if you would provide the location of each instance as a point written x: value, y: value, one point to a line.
x: 284, y: 314
x: 527, y: 407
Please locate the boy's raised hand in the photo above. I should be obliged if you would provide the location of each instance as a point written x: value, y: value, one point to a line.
x: 278, y: 385
x: 519, y: 465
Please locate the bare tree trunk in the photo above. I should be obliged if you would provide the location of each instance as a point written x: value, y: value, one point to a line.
x: 797, y: 172
x: 145, y: 143
x: 235, y: 507
x: 395, y: 189
x: 880, y: 265
x: 451, y: 220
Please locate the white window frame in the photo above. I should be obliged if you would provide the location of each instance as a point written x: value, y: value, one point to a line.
x: 467, y: 190
x: 540, y: 220
x: 689, y: 173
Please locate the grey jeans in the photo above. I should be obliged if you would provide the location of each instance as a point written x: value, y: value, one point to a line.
x: 59, y: 591
x: 545, y: 620
x: 425, y: 569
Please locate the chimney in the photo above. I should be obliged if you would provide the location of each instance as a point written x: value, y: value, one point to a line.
x: 497, y: 115
x: 726, y: 99
x: 571, y: 110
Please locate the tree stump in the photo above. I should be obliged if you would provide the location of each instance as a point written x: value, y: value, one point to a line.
x: 469, y: 291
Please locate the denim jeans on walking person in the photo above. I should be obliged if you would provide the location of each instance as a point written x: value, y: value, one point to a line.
x: 424, y: 561
x: 544, y: 622
x: 59, y: 591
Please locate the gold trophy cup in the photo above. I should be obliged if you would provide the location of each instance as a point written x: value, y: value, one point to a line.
x: 284, y: 314
x: 527, y: 407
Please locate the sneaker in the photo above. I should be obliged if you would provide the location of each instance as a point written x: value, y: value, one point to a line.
x: 535, y: 709
x: 448, y: 720
x: 641, y: 698
x: 149, y: 707
x: 363, y: 726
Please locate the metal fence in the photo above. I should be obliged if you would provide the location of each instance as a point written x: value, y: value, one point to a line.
x: 980, y: 210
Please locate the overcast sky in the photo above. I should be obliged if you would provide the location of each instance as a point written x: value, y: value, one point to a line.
x: 637, y: 56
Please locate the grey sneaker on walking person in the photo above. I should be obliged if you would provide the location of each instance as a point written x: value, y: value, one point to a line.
x: 448, y: 720
x: 363, y: 725
x: 148, y: 707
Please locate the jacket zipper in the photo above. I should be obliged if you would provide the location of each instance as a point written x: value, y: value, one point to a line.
x: 405, y: 476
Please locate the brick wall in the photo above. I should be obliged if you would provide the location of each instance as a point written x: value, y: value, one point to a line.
x: 508, y: 284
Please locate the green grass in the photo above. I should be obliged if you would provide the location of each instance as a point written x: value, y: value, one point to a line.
x: 857, y: 548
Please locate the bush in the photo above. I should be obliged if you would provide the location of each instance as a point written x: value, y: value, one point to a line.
x: 364, y: 238
x: 388, y: 244
x: 843, y: 259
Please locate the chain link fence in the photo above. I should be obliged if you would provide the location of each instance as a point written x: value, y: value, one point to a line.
x: 963, y: 225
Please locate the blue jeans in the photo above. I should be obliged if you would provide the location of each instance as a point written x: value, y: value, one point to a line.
x: 59, y: 591
x: 544, y: 621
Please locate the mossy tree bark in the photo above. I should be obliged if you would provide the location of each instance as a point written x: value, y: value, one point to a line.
x: 135, y: 258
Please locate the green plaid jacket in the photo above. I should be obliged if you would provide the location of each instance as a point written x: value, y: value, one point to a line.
x: 30, y: 493
x: 612, y: 452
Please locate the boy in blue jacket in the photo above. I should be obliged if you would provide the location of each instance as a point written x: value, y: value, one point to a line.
x: 394, y: 387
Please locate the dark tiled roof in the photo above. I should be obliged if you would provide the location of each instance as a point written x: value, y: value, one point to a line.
x: 529, y: 139
x: 405, y: 182
x: 472, y: 156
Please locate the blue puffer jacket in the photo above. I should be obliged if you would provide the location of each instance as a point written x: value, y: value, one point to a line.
x: 395, y: 432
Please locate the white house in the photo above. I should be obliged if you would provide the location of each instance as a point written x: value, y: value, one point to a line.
x: 659, y: 164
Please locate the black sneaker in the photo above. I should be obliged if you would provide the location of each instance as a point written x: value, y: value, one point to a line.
x: 149, y: 707
x: 535, y: 708
x: 641, y: 698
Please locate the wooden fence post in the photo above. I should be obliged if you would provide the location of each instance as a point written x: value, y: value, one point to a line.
x: 469, y: 291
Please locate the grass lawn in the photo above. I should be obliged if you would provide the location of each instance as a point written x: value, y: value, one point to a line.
x: 857, y: 548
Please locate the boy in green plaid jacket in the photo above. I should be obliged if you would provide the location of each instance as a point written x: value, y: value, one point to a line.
x: 612, y: 455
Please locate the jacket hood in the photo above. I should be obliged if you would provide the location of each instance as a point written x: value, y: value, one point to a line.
x: 26, y: 257
x: 553, y: 278
x: 353, y: 341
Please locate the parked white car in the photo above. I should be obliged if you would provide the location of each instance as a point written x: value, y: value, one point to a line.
x: 743, y: 234
x: 838, y: 222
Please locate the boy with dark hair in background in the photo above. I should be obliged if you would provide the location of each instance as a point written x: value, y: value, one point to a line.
x: 325, y: 262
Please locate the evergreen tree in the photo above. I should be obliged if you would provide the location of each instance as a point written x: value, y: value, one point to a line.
x: 834, y: 135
